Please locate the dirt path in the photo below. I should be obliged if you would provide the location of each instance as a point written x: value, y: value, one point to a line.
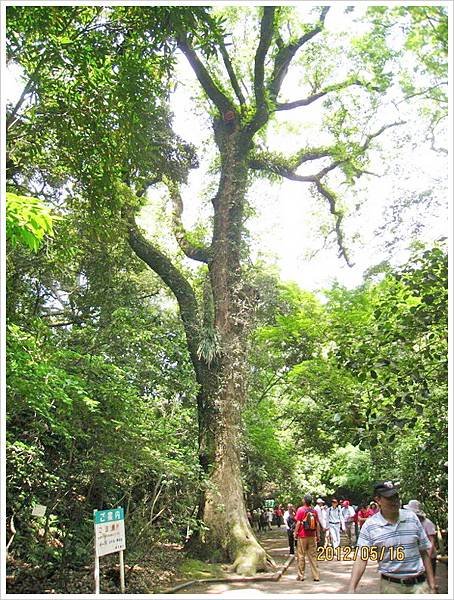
x: 334, y: 576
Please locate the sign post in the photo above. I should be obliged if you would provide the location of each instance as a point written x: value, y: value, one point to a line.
x: 109, y: 537
x: 122, y: 573
x: 96, y: 573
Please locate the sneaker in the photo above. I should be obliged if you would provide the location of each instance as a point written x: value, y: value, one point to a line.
x: 316, y: 579
x: 298, y: 578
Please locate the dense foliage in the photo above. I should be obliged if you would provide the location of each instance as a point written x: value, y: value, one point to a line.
x: 359, y: 383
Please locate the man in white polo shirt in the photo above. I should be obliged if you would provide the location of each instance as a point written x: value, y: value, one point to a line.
x: 395, y: 538
x: 320, y: 509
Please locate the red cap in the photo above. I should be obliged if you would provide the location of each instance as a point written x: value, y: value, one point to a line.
x: 345, y: 503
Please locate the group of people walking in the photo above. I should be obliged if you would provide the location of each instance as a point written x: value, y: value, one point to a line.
x: 262, y: 518
x: 401, y: 539
x: 340, y: 516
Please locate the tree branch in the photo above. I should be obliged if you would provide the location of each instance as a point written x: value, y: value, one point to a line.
x: 266, y: 35
x: 423, y: 92
x: 286, y: 166
x: 233, y: 79
x: 213, y: 92
x: 286, y: 53
x: 199, y: 253
x: 338, y: 217
x: 431, y: 133
x: 13, y: 533
x: 285, y: 171
x: 371, y: 136
x: 361, y: 149
x: 308, y: 154
x: 171, y: 276
x: 274, y: 381
x: 262, y: 108
x: 29, y: 88
x: 313, y: 97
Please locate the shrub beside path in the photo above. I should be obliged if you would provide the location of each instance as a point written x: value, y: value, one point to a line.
x: 334, y: 576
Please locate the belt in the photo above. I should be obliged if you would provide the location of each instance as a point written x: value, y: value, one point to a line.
x: 407, y: 581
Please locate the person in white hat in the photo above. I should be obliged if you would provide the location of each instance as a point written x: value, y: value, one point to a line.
x: 428, y: 526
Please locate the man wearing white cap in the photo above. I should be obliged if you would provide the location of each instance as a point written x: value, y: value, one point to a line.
x: 428, y: 527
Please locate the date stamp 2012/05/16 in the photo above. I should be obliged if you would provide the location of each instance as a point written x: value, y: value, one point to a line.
x: 365, y: 552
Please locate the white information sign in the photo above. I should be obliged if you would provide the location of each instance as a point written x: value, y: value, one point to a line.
x: 109, y: 531
x: 38, y: 510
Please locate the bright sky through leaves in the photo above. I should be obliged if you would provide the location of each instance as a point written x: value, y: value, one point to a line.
x: 281, y: 232
x: 286, y: 227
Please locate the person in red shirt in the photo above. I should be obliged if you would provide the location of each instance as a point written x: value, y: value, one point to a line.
x: 364, y: 513
x: 307, y: 533
x: 278, y: 514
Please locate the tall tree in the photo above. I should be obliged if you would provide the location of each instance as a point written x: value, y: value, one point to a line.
x: 114, y: 64
x: 239, y: 113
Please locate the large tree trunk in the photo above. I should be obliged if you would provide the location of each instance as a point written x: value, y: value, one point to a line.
x: 221, y: 399
x: 229, y: 534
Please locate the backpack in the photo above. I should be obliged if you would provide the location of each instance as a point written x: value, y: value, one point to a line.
x: 309, y: 520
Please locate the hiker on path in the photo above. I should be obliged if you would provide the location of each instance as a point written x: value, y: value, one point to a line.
x: 307, y: 532
x: 278, y: 514
x: 260, y: 519
x: 249, y: 517
x: 320, y: 508
x: 374, y: 508
x: 289, y: 522
x: 355, y: 520
x: 335, y: 522
x: 405, y: 566
x: 348, y: 512
x: 269, y: 514
x: 428, y: 527
x: 263, y: 519
x: 364, y: 513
